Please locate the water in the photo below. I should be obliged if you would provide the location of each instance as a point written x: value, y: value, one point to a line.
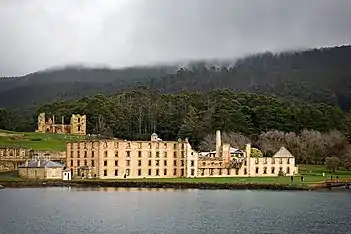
x: 65, y: 210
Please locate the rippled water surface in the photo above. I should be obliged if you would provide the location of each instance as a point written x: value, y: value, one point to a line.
x: 65, y: 210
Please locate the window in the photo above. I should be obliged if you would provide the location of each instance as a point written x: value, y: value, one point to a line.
x: 128, y: 145
x: 78, y: 146
x: 85, y: 154
x: 128, y: 154
x: 149, y: 163
x: 165, y: 154
x: 150, y: 154
x: 265, y: 170
x: 165, y: 163
x: 182, y: 172
x: 182, y: 154
x: 175, y: 163
x: 139, y: 154
x: 92, y: 154
x: 183, y: 146
x: 165, y: 145
x: 280, y: 169
x: 236, y: 171
x: 116, y: 144
x: 116, y: 163
x: 256, y: 170
x: 105, y: 154
x: 116, y: 172
x: 273, y: 170
x: 288, y: 161
x: 139, y: 163
x: 174, y: 154
x: 245, y: 171
x: 265, y: 160
x: 139, y: 145
x: 245, y: 163
x: 127, y: 163
x: 157, y: 145
x: 280, y: 161
x: 149, y: 145
x: 139, y: 172
x: 273, y: 160
x: 78, y: 163
x: 228, y: 171
x: 174, y: 171
x: 174, y: 146
x: 256, y: 160
x: 78, y: 154
x: 105, y: 172
x: 71, y: 154
x: 202, y: 172
x: 157, y: 172
x: 219, y: 171
x: 85, y: 163
x: 165, y: 172
x: 211, y: 171
x: 92, y: 163
x: 192, y: 172
x: 71, y: 163
x: 157, y: 163
x: 157, y: 154
x: 204, y: 164
x: 288, y: 170
x: 192, y: 163
x: 105, y: 163
x: 149, y: 172
x: 85, y: 144
x: 116, y: 154
x: 182, y: 163
x: 127, y: 172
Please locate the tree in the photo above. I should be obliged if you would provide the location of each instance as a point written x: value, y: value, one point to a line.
x: 332, y: 163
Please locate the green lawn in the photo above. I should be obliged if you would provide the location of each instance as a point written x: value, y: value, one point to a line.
x: 36, y: 141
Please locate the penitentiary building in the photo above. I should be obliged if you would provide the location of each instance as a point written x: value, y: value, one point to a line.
x: 111, y: 159
x: 115, y: 158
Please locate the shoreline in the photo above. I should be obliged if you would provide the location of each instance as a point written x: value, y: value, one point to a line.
x: 153, y: 184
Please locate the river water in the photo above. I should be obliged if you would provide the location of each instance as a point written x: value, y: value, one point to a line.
x: 110, y: 210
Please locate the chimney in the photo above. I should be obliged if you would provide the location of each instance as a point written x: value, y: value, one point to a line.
x: 218, y: 143
x: 248, y: 150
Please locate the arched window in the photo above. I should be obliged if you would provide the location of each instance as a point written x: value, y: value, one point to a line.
x: 265, y: 170
x: 256, y: 170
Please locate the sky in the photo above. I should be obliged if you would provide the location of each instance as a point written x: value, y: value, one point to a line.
x: 40, y: 34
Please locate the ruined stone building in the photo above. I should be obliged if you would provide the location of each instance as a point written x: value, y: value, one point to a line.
x: 228, y: 161
x: 112, y: 159
x: 12, y: 157
x: 109, y: 159
x: 77, y: 125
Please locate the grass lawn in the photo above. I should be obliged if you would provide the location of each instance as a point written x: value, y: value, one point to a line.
x: 36, y: 141
x: 312, y: 174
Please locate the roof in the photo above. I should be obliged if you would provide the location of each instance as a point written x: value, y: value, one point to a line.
x: 283, y: 153
x: 43, y: 163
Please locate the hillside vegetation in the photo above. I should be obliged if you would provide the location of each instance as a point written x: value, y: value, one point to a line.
x: 319, y: 75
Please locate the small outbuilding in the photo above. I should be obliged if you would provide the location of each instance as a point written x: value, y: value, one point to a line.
x: 41, y: 169
x: 66, y: 174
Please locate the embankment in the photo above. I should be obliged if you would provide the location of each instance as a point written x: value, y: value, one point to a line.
x: 153, y: 184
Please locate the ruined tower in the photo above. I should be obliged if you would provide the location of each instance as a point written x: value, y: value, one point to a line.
x: 78, y: 124
x: 41, y: 123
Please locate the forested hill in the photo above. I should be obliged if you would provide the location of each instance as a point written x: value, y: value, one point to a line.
x: 318, y: 75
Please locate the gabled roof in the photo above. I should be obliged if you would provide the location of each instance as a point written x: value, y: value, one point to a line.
x: 42, y: 163
x: 283, y: 153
